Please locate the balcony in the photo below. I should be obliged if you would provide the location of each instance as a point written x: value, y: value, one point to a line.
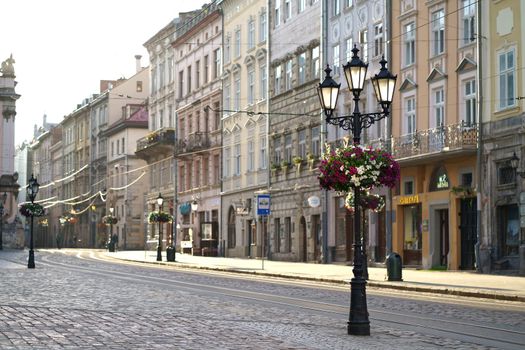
x: 437, y: 143
x: 197, y: 142
x: 159, y: 141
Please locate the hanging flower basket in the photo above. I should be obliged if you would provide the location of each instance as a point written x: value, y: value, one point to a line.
x: 109, y: 220
x: 155, y: 216
x: 373, y: 202
x: 32, y: 209
x: 345, y: 168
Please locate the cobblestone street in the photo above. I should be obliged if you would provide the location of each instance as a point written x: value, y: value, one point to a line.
x: 72, y: 303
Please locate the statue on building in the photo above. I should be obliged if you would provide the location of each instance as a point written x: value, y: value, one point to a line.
x: 7, y: 69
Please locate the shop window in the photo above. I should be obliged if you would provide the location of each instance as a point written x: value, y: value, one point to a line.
x: 439, y: 180
x: 412, y: 238
x: 408, y: 187
x: 509, y: 228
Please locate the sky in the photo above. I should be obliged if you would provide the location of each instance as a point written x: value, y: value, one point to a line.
x: 63, y: 48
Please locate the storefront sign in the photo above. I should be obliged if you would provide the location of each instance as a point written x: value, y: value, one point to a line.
x: 409, y: 199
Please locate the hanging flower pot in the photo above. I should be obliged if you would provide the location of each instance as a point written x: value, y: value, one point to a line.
x: 367, y: 200
x: 345, y: 168
x: 156, y: 216
x: 32, y: 209
x: 109, y: 220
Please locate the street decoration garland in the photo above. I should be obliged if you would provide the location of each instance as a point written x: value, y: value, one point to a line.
x: 32, y: 209
x: 109, y: 220
x: 350, y: 167
x: 156, y: 216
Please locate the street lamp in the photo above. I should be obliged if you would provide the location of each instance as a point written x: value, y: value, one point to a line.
x: 514, y: 163
x: 111, y: 243
x: 32, y: 190
x: 160, y: 200
x: 384, y: 84
x: 2, y: 202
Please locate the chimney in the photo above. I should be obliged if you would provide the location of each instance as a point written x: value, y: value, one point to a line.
x: 137, y: 63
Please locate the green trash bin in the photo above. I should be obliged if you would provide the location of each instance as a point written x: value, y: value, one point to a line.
x: 170, y: 253
x: 394, y: 267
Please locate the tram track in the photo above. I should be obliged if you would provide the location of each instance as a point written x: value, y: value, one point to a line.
x: 500, y: 336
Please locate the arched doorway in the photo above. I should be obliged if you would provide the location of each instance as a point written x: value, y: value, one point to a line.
x: 231, y: 228
x: 304, y: 250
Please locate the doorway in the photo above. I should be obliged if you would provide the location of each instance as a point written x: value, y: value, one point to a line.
x: 468, y: 228
x: 304, y: 250
x: 443, y: 234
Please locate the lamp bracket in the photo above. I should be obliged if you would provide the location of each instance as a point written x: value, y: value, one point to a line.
x: 357, y: 122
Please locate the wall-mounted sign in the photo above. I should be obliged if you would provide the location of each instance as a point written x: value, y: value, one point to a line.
x: 409, y: 199
x: 314, y: 201
x: 263, y: 204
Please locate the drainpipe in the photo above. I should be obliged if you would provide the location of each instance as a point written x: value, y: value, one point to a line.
x: 324, y: 60
x: 479, y: 179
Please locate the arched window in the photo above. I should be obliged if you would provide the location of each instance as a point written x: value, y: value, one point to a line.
x: 439, y: 180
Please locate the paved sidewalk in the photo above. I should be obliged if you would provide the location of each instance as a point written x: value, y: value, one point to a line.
x: 462, y: 283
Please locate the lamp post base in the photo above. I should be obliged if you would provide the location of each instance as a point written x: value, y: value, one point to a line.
x: 358, y: 323
x: 31, y: 260
x: 159, y: 253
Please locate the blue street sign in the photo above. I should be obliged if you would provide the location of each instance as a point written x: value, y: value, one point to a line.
x: 263, y: 204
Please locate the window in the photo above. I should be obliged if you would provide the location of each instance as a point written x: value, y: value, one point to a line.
x: 227, y: 92
x: 237, y: 46
x: 237, y: 87
x: 153, y: 80
x: 363, y: 40
x: 466, y: 180
x: 278, y: 78
x: 263, y: 81
x: 410, y: 115
x: 336, y: 62
x: 277, y: 12
x: 348, y: 3
x: 337, y: 7
x: 278, y: 235
x: 506, y: 174
x: 170, y: 69
x: 288, y: 9
x: 112, y: 148
x: 262, y: 154
x: 348, y: 49
x: 408, y: 187
x: 439, y: 108
x: 378, y: 39
x: 288, y: 234
x: 438, y: 32
x: 316, y: 68
x: 315, y: 148
x: 237, y: 164
x: 288, y: 81
x: 161, y: 75
x: 288, y: 148
x: 409, y: 38
x: 227, y: 50
x: 506, y: 79
x: 197, y: 173
x: 302, y: 143
x: 206, y: 69
x: 469, y: 21
x: 118, y: 146
x: 251, y: 34
x: 301, y: 4
x: 217, y: 59
x: 197, y: 74
x: 251, y: 156
x: 277, y: 151
x: 189, y: 80
x: 217, y: 119
x: 470, y: 117
x: 227, y: 161
x: 170, y: 116
x: 251, y: 84
x: 139, y: 86
x: 181, y: 84
x: 301, y: 60
x: 262, y: 27
x: 216, y: 171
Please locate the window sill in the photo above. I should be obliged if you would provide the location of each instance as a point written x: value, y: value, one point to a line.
x: 506, y: 110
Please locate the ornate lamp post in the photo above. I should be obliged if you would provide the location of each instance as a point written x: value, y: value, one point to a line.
x: 2, y: 202
x: 160, y: 200
x: 384, y: 84
x: 32, y: 190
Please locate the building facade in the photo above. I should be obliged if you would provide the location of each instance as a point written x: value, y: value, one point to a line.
x: 502, y: 240
x: 295, y: 130
x: 434, y: 130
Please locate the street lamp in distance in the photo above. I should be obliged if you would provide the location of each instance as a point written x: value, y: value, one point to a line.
x: 384, y: 84
x: 160, y: 201
x: 2, y: 203
x: 111, y: 243
x: 32, y: 190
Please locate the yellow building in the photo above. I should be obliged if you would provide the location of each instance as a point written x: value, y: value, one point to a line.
x: 434, y: 132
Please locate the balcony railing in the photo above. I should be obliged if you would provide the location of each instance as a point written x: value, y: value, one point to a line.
x: 197, y: 141
x: 445, y: 138
x: 159, y: 137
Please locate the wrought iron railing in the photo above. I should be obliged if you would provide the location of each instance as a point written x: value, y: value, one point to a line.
x: 162, y: 136
x: 197, y: 141
x: 443, y: 138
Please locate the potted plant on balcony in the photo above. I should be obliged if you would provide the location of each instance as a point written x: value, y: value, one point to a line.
x: 297, y: 160
x: 284, y: 165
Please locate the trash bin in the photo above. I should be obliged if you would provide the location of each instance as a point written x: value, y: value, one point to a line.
x: 394, y: 267
x: 170, y: 254
x: 111, y: 247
